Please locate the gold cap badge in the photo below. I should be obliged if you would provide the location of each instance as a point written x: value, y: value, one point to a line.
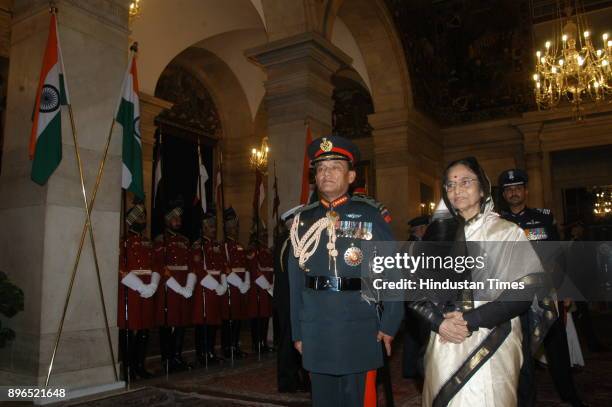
x: 326, y: 145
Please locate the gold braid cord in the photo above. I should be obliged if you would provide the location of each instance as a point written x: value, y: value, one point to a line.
x: 304, y: 247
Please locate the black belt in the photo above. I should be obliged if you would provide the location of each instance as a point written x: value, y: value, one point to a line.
x: 325, y: 283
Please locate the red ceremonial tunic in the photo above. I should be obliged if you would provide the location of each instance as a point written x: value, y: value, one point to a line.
x: 171, y: 257
x: 133, y: 311
x: 261, y: 263
x: 207, y: 258
x: 237, y: 263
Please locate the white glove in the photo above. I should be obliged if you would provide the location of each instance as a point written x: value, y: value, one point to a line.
x: 155, y: 280
x: 131, y: 280
x: 189, y: 286
x: 222, y: 288
x: 263, y: 282
x: 175, y: 286
x: 147, y: 292
x: 234, y: 280
x: 271, y: 291
x: 151, y: 288
x: 187, y: 293
x: 246, y: 285
x: 209, y: 282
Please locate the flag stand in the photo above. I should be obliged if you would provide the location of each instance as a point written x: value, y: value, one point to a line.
x: 86, y: 226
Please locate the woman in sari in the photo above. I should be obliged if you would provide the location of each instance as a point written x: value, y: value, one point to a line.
x: 474, y: 353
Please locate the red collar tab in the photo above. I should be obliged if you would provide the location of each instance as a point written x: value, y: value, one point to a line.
x: 337, y: 202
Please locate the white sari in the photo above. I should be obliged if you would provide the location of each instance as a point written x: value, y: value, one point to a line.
x: 495, y: 381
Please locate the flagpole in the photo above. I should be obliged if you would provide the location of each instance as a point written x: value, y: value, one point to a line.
x: 202, y: 193
x: 86, y: 226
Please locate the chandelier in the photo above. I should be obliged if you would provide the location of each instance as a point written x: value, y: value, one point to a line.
x: 603, y: 202
x: 134, y: 9
x: 575, y: 66
x: 259, y: 157
x: 427, y: 209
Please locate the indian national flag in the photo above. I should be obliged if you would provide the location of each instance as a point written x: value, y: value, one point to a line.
x: 46, y: 136
x: 128, y: 115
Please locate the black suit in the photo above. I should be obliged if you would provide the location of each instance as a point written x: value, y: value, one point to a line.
x: 289, y: 360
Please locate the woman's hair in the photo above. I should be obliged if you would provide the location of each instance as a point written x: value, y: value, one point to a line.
x: 483, y: 182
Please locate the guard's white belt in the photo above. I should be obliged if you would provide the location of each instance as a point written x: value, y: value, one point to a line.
x: 213, y: 272
x: 266, y: 269
x: 178, y: 268
x: 142, y: 272
x: 238, y: 269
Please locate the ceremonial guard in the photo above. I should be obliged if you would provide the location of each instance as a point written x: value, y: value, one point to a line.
x: 208, y: 262
x: 137, y: 288
x: 239, y: 282
x: 539, y: 225
x: 261, y: 270
x: 337, y: 331
x: 172, y: 259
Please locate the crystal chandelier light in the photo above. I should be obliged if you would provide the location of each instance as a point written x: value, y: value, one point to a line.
x: 603, y: 202
x: 259, y: 157
x: 134, y: 9
x: 575, y: 66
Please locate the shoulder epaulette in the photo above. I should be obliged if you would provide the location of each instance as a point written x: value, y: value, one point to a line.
x: 382, y: 209
x: 543, y: 211
x: 307, y: 207
x: 197, y: 244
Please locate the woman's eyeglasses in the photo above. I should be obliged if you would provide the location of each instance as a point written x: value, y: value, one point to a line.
x: 465, y: 183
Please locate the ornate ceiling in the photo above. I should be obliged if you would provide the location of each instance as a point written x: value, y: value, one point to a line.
x: 471, y: 60
x: 194, y: 110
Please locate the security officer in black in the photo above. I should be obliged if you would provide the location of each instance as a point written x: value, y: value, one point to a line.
x: 337, y: 332
x: 539, y: 225
x: 416, y: 333
x: 290, y: 375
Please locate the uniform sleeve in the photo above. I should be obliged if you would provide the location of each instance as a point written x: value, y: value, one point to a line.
x: 554, y: 231
x: 296, y: 286
x: 393, y: 311
x: 196, y: 260
x: 252, y: 264
x: 158, y: 259
x: 496, y: 312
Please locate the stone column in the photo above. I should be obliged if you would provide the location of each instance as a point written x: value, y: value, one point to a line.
x: 41, y: 225
x: 397, y: 149
x: 150, y: 107
x: 298, y: 89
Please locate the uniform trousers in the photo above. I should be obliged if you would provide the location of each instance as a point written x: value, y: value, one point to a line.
x: 338, y: 391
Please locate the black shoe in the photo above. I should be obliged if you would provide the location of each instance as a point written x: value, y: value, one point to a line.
x: 266, y: 349
x: 177, y: 363
x: 239, y: 354
x: 579, y: 403
x: 214, y: 359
